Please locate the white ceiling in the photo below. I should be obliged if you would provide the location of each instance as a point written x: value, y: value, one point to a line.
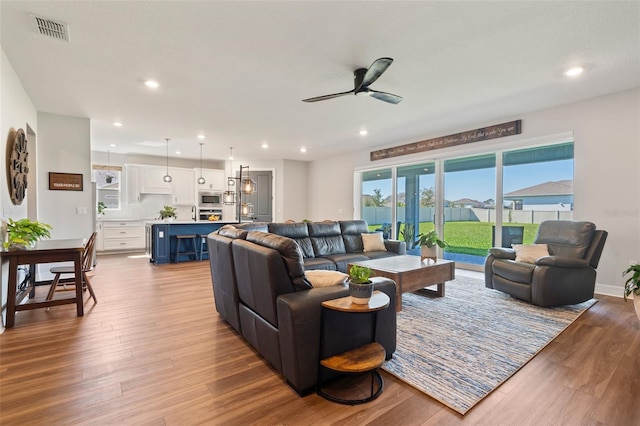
x: 237, y: 71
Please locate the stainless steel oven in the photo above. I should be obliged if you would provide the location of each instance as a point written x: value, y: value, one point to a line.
x: 210, y: 199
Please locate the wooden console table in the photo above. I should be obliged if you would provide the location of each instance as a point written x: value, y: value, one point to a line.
x: 46, y: 251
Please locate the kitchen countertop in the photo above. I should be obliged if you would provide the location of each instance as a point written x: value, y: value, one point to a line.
x: 185, y: 222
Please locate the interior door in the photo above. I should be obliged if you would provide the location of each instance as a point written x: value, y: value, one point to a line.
x: 262, y: 198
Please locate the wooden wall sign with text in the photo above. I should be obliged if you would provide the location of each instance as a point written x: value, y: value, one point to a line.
x: 477, y: 135
x: 65, y: 181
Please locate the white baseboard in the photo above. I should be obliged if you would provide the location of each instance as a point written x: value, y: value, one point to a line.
x: 609, y: 290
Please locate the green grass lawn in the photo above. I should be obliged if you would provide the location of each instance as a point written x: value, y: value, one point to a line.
x: 472, y: 237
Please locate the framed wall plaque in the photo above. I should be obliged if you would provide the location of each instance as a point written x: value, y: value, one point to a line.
x: 65, y: 181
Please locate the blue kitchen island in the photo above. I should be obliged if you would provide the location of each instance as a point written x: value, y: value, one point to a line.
x: 161, y: 242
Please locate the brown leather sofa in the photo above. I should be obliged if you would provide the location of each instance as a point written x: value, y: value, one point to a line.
x: 567, y: 276
x: 260, y: 288
x: 329, y: 245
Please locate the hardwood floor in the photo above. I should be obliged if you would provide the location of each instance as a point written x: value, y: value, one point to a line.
x: 153, y: 351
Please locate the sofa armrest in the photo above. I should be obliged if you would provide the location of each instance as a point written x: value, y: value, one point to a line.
x: 562, y: 262
x: 503, y: 253
x: 396, y: 246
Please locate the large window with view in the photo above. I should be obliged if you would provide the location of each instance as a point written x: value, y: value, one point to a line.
x: 416, y: 203
x: 538, y: 186
x: 475, y: 210
x: 376, y: 202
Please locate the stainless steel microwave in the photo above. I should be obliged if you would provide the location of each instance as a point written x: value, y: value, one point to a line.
x: 209, y: 199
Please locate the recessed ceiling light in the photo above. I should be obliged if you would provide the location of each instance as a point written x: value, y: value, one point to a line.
x: 178, y: 152
x: 200, y: 136
x: 265, y: 145
x: 303, y: 149
x: 574, y: 72
x: 112, y: 144
x: 363, y: 132
x: 151, y: 84
x: 117, y: 124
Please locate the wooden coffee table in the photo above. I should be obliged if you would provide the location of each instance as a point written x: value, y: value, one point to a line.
x: 412, y: 274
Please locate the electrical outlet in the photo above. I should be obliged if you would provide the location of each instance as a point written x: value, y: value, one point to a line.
x: 81, y: 210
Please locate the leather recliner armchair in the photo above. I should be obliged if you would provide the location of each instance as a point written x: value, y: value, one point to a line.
x: 567, y: 276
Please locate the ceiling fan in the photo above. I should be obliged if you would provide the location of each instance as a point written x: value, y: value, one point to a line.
x: 362, y: 79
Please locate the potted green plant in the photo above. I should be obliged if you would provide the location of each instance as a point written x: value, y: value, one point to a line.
x: 632, y: 286
x: 168, y: 213
x: 101, y: 207
x: 360, y: 286
x: 429, y: 244
x: 408, y: 233
x: 24, y: 233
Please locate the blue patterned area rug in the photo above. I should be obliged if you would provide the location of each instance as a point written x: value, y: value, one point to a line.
x: 459, y: 348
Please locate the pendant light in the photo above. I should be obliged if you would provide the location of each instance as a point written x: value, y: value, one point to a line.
x: 229, y: 196
x: 201, y: 180
x: 167, y: 177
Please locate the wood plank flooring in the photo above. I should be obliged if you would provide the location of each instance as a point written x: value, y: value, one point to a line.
x: 154, y: 351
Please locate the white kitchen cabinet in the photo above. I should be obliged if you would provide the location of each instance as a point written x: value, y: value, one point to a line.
x: 183, y: 186
x: 132, y: 183
x: 151, y: 180
x: 214, y: 180
x: 121, y: 235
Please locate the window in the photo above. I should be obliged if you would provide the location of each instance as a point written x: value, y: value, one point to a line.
x: 538, y: 186
x: 376, y: 199
x: 416, y: 201
x: 465, y: 199
x: 108, y: 181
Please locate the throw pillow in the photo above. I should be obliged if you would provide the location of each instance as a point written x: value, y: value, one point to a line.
x: 373, y: 242
x: 321, y: 278
x: 530, y: 253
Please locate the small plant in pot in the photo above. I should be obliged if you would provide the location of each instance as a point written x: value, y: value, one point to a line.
x: 24, y: 233
x: 168, y: 213
x: 360, y: 286
x: 429, y: 244
x: 632, y: 286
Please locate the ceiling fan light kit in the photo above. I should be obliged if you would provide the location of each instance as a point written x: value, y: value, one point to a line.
x: 362, y: 79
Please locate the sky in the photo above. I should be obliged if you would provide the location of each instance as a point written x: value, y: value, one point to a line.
x: 480, y: 184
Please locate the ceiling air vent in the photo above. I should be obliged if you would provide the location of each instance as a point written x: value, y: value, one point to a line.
x: 50, y: 28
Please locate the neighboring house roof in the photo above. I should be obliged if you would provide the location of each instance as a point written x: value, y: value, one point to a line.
x: 468, y: 202
x: 561, y: 187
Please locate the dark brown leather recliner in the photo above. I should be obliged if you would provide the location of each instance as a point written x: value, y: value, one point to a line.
x: 280, y: 312
x: 565, y: 277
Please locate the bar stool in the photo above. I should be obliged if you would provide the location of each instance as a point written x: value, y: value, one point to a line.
x: 180, y: 246
x: 204, y: 248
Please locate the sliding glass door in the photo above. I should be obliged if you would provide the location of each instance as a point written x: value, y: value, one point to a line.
x: 376, y: 200
x: 415, y: 203
x: 469, y: 200
x: 465, y: 202
x: 538, y: 186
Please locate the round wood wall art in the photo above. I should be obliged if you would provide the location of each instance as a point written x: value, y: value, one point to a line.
x: 17, y: 165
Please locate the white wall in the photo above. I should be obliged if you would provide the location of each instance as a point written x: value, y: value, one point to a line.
x: 16, y: 111
x: 606, y: 182
x: 64, y: 146
x: 294, y: 206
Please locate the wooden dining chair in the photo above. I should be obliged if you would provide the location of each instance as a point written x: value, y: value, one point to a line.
x: 67, y: 284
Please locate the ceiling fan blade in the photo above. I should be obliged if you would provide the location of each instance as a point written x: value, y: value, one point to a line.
x: 384, y: 96
x: 375, y: 70
x: 325, y: 97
